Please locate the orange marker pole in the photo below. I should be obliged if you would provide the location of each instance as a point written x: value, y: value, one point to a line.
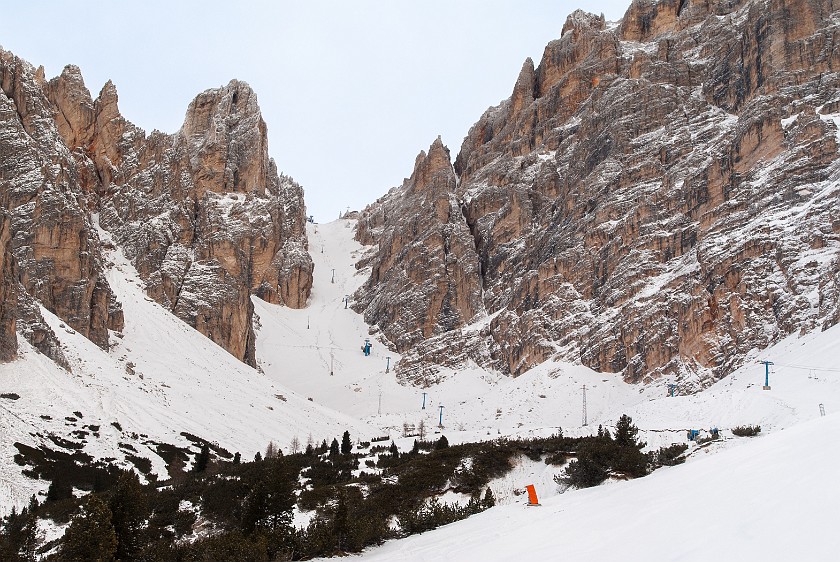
x: 532, y: 495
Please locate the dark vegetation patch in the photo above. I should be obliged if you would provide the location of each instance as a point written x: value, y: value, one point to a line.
x: 10, y: 395
x: 669, y: 456
x: 746, y: 430
x: 246, y: 507
x: 143, y: 464
x: 175, y: 457
x: 65, y: 471
x: 79, y: 434
x: 199, y: 442
x: 65, y: 443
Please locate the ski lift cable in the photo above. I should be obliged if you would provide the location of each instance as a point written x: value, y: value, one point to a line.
x: 805, y: 367
x: 327, y: 347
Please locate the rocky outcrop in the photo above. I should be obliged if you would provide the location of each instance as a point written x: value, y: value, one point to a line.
x: 8, y: 293
x: 54, y: 245
x: 656, y: 197
x: 208, y: 221
x: 424, y: 278
x: 203, y: 213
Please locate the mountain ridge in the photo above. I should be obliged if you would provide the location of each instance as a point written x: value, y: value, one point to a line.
x: 654, y: 199
x: 203, y: 213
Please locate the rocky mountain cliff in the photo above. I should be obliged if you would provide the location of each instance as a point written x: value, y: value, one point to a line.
x: 432, y: 252
x: 657, y: 197
x: 203, y: 213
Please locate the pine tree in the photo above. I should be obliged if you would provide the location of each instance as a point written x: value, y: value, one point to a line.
x: 341, y: 519
x: 625, y: 433
x: 346, y: 445
x: 281, y: 496
x: 309, y: 452
x: 255, y: 508
x: 237, y: 458
x: 271, y: 450
x: 19, y: 538
x: 202, y: 459
x: 393, y: 450
x: 334, y: 447
x: 8, y: 549
x: 583, y: 472
x: 271, y: 499
x: 129, y: 511
x: 295, y: 445
x: 258, y: 457
x: 91, y: 534
x: 489, y: 499
x: 323, y: 448
x: 442, y: 443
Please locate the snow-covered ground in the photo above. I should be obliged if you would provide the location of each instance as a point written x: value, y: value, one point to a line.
x: 770, y: 498
x: 160, y: 379
x: 314, y: 380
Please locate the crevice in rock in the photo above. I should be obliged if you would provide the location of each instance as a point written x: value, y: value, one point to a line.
x: 482, y: 265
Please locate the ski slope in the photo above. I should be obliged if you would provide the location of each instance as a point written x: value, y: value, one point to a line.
x: 159, y: 379
x: 770, y: 498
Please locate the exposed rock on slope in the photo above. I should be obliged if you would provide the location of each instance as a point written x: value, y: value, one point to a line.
x: 53, y: 243
x: 8, y: 295
x: 203, y: 214
x: 656, y: 198
x: 425, y: 278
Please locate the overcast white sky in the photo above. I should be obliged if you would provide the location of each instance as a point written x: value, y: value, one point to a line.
x: 351, y: 90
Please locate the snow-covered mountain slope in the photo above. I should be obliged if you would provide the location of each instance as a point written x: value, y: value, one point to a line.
x: 548, y: 396
x: 302, y: 358
x: 182, y: 382
x: 771, y: 498
x: 161, y: 378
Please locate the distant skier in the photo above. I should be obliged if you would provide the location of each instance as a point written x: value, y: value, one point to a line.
x: 366, y: 348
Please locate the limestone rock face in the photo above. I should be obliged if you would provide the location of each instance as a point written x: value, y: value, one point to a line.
x: 424, y: 278
x: 203, y: 213
x: 8, y: 294
x: 53, y: 242
x: 656, y: 197
x: 207, y: 219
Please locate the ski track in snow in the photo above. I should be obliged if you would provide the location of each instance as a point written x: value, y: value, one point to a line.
x: 184, y: 382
